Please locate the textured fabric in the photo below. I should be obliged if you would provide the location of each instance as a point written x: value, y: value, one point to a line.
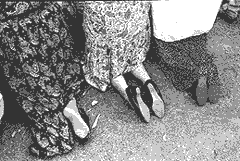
x: 42, y: 68
x: 117, y: 39
x: 175, y: 20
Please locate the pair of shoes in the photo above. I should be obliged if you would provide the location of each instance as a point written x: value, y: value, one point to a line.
x: 135, y: 100
x: 207, y: 90
x: 146, y: 98
x: 153, y: 98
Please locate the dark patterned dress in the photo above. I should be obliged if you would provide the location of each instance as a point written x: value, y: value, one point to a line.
x: 42, y: 65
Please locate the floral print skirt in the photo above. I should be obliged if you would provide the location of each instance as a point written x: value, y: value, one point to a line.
x: 117, y: 39
x: 42, y: 67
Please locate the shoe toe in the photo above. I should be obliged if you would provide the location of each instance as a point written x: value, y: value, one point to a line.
x: 158, y: 108
x: 146, y: 114
x: 144, y: 110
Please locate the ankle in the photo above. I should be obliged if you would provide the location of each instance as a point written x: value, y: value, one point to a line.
x: 146, y: 79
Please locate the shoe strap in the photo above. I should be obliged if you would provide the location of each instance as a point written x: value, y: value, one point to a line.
x: 150, y: 81
x: 131, y: 90
x: 131, y: 93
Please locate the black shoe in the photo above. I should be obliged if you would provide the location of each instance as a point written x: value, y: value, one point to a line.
x: 153, y: 98
x: 137, y: 103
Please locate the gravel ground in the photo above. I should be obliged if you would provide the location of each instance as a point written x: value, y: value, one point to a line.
x: 186, y: 133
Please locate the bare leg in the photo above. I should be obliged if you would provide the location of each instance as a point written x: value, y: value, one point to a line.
x: 141, y: 73
x: 121, y: 85
x: 71, y: 112
x: 158, y: 104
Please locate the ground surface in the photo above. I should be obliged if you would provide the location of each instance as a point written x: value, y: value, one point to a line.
x: 187, y: 132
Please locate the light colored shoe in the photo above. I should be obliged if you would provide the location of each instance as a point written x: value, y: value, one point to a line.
x: 142, y: 106
x: 153, y: 98
x: 81, y: 129
x: 158, y: 104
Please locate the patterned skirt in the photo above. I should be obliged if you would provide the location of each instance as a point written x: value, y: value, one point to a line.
x: 42, y: 66
x: 117, y: 39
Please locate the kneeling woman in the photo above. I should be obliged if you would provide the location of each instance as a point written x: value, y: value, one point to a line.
x: 178, y: 34
x: 41, y: 66
x: 117, y: 40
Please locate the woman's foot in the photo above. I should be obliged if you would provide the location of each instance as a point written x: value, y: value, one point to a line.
x: 215, y: 93
x: 135, y: 100
x: 202, y: 91
x: 81, y: 129
x: 153, y: 98
x: 158, y: 104
x: 155, y: 102
x: 142, y: 106
x: 132, y: 95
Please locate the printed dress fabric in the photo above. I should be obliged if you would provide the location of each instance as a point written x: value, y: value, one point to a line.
x: 42, y: 67
x: 117, y: 39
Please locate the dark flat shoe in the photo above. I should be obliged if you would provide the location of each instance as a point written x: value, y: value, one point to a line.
x: 137, y: 103
x: 153, y: 98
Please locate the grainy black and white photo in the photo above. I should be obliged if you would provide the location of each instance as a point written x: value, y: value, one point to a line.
x: 120, y: 80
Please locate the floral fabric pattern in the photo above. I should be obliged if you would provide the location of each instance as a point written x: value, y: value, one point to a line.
x: 117, y: 39
x: 42, y: 67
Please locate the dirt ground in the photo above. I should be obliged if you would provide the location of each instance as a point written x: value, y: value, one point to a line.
x: 186, y: 133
